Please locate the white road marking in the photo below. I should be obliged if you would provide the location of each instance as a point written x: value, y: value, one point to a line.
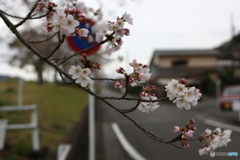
x: 221, y: 125
x: 125, y: 144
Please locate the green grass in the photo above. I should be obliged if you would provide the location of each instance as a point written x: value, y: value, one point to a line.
x: 59, y: 107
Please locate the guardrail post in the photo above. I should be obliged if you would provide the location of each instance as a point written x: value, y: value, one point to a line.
x: 35, y: 132
x: 3, y: 127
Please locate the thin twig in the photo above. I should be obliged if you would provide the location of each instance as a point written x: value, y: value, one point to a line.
x: 13, y: 16
x: 82, y: 51
x: 38, y: 17
x: 126, y: 86
x: 28, y: 15
x: 107, y: 79
x: 45, y: 40
x: 61, y: 75
x: 148, y: 133
x: 57, y: 47
x: 135, y: 99
x: 131, y: 109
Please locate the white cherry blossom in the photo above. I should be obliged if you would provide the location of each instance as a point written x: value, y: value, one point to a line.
x: 204, y: 150
x: 120, y: 24
x: 75, y: 71
x: 148, y: 106
x: 83, y: 81
x: 85, y: 72
x: 69, y: 24
x: 127, y: 18
x: 83, y: 32
x: 181, y: 89
x: 183, y: 96
x: 81, y: 75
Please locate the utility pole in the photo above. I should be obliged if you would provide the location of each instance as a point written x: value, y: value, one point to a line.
x: 232, y: 25
x: 91, y: 122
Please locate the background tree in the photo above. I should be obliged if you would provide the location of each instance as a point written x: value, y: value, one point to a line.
x: 24, y: 57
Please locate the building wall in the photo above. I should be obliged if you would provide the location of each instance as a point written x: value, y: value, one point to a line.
x: 192, y: 61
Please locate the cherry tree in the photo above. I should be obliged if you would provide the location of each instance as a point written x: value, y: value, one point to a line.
x: 63, y: 22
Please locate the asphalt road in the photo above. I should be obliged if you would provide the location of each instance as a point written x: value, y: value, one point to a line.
x: 161, y: 122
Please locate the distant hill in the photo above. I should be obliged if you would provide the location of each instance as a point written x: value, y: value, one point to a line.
x: 4, y: 77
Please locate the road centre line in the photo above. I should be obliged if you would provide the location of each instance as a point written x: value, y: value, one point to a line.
x: 221, y: 125
x: 125, y: 144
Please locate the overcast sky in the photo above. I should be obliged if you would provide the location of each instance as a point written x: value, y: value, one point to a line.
x: 167, y: 24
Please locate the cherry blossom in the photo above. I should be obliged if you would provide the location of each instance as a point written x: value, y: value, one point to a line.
x: 147, y: 95
x: 83, y: 81
x: 83, y: 32
x: 204, y: 150
x: 141, y: 74
x: 85, y: 72
x: 127, y: 18
x: 66, y: 21
x: 69, y: 23
x: 75, y: 71
x: 115, y: 30
x: 81, y: 75
x: 44, y: 6
x: 183, y: 96
x: 211, y: 140
x: 148, y: 106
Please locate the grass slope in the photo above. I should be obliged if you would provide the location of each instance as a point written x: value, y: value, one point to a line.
x: 59, y: 107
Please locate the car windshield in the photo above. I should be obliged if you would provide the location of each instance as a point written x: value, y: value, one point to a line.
x: 231, y: 91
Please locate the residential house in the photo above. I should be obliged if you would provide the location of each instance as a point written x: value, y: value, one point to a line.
x: 194, y: 65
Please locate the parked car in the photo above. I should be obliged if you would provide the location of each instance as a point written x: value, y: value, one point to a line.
x: 228, y: 96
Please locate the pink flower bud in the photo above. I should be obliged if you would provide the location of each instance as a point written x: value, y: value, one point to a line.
x: 176, y: 129
x: 118, y: 84
x: 189, y: 133
x: 191, y: 121
x: 193, y: 128
x: 185, y: 144
x: 183, y: 81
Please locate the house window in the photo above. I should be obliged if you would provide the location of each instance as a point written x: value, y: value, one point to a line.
x: 179, y: 63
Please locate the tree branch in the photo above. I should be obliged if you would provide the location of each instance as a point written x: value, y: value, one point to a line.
x: 45, y: 40
x: 82, y: 51
x: 28, y: 15
x: 126, y: 86
x: 57, y: 47
x: 123, y: 112
x: 131, y: 109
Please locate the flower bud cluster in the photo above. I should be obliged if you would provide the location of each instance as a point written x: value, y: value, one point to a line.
x: 81, y: 74
x: 140, y: 74
x: 76, y: 13
x: 66, y: 21
x: 213, y: 139
x: 89, y: 63
x: 147, y: 95
x: 44, y: 6
x: 114, y: 31
x: 183, y: 96
x: 186, y: 132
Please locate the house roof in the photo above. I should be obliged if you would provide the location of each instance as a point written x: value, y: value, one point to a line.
x: 177, y: 71
x: 187, y: 52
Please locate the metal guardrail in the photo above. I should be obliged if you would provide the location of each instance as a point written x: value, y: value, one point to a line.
x: 33, y: 125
